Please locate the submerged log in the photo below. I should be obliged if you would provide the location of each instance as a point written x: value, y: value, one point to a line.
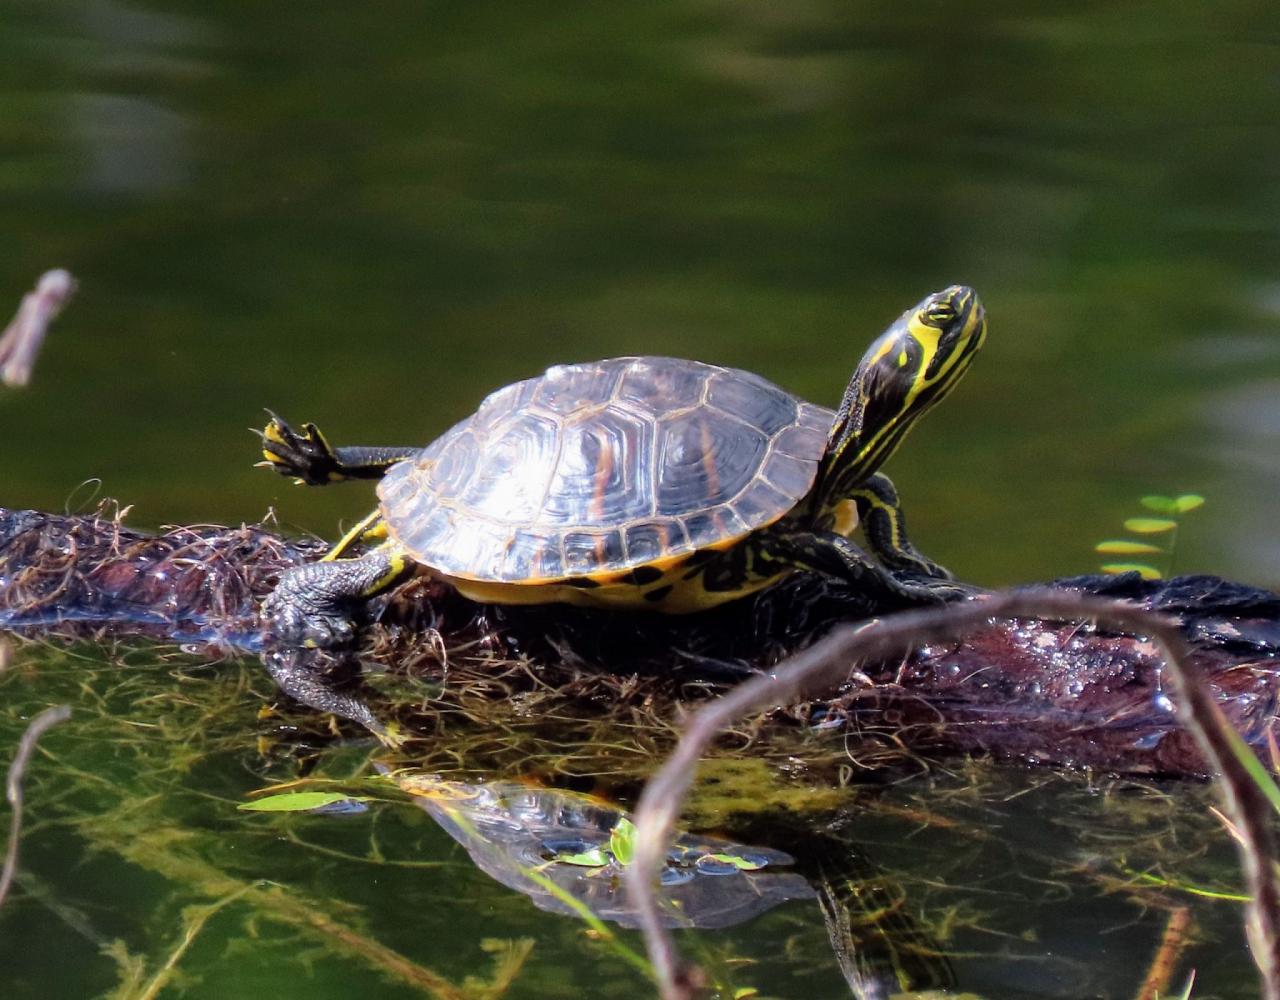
x: 1064, y: 694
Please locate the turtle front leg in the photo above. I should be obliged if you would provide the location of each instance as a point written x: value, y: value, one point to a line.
x: 308, y: 457
x: 834, y: 555
x: 317, y: 605
x: 885, y: 529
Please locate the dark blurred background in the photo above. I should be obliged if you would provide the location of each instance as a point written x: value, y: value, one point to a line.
x: 370, y: 216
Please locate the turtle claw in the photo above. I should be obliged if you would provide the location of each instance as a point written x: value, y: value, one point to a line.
x: 937, y: 590
x: 306, y: 456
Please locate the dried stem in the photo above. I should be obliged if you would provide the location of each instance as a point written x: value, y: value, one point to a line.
x: 1177, y: 931
x: 21, y: 340
x: 830, y: 661
x: 13, y: 788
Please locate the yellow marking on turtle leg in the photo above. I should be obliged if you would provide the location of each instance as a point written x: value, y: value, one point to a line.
x: 885, y: 531
x: 875, y: 504
x: 367, y: 528
x: 397, y: 566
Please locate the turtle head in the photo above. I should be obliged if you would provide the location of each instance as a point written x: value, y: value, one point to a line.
x: 921, y: 357
x: 908, y: 368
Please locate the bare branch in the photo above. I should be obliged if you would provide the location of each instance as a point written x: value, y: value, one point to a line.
x: 830, y: 661
x: 21, y: 340
x: 47, y: 719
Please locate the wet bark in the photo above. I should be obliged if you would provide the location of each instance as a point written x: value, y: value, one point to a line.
x: 1061, y: 693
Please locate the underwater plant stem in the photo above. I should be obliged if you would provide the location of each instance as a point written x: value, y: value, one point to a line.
x: 586, y: 914
x: 1172, y: 944
x: 47, y: 719
x: 829, y: 662
x: 390, y: 961
x: 194, y: 920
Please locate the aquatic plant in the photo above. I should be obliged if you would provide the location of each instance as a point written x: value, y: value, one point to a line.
x: 1163, y: 527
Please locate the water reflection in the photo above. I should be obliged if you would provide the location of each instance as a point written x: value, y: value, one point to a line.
x: 372, y: 216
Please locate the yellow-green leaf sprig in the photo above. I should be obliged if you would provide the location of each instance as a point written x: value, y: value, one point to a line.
x: 1158, y: 537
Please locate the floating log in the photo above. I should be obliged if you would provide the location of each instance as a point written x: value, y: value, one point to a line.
x: 1064, y: 694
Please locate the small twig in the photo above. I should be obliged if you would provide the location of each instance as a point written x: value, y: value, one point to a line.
x: 1172, y: 944
x: 21, y: 340
x: 13, y: 787
x: 827, y: 662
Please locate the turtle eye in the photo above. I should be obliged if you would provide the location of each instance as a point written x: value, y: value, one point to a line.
x: 940, y: 314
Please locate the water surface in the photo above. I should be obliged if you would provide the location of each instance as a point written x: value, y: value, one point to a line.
x: 372, y: 217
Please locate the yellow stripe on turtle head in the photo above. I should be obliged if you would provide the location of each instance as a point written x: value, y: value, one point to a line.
x: 908, y: 369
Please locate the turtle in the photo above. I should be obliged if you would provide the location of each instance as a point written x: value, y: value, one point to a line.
x: 640, y: 483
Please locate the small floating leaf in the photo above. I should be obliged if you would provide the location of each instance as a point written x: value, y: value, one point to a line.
x: 1147, y: 572
x: 1189, y: 501
x: 1123, y: 547
x: 298, y: 801
x: 1149, y: 525
x: 1161, y: 505
x: 622, y: 841
x: 594, y: 858
x: 738, y: 862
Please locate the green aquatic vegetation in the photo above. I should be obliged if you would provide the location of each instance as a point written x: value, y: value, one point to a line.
x: 1207, y: 892
x: 161, y: 751
x: 593, y: 857
x: 622, y: 841
x: 598, y: 927
x: 135, y: 984
x: 1159, y: 537
x: 137, y: 786
x: 622, y: 848
x: 739, y: 783
x: 299, y: 801
x: 740, y: 863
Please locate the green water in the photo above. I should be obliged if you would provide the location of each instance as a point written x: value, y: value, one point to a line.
x: 371, y: 217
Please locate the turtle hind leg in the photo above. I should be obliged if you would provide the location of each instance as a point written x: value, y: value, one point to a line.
x: 833, y: 555
x: 308, y: 457
x: 318, y: 605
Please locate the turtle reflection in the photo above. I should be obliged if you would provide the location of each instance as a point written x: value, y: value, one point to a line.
x: 524, y: 836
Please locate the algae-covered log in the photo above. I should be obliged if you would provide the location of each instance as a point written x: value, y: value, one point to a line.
x: 1057, y: 693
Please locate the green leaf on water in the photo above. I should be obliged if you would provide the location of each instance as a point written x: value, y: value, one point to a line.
x: 593, y: 858
x: 1161, y: 505
x: 1149, y: 525
x: 1124, y: 547
x: 299, y: 801
x: 1147, y: 572
x: 622, y: 842
x: 742, y: 864
x: 1189, y: 501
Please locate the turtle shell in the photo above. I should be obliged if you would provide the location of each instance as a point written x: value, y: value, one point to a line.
x: 599, y: 468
